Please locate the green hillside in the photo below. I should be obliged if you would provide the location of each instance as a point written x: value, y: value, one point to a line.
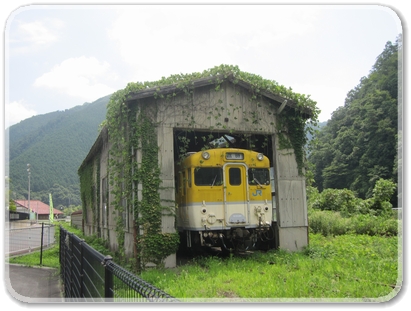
x: 55, y: 145
x: 359, y: 145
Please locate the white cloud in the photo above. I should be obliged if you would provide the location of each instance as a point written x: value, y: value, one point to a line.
x: 182, y: 39
x: 17, y: 111
x: 37, y: 33
x: 79, y: 77
x: 29, y: 36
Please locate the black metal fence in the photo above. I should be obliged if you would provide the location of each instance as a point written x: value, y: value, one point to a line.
x: 89, y: 276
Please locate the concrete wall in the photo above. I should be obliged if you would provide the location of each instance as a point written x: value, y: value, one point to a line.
x: 77, y: 221
x: 291, y: 201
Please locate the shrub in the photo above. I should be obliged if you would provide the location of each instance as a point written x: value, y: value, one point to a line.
x: 341, y: 200
x: 382, y: 193
x: 374, y: 225
x: 328, y: 223
x: 347, y: 203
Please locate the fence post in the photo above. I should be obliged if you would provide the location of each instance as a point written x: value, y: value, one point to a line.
x: 41, y: 244
x: 70, y: 249
x: 60, y: 245
x: 108, y: 278
x: 81, y: 269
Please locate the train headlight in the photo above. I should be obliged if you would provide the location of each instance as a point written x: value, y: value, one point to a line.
x: 206, y: 155
x: 260, y: 157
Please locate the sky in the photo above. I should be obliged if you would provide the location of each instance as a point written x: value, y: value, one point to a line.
x: 61, y: 56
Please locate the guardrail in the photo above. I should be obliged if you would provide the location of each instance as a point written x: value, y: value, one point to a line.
x: 89, y: 276
x: 25, y: 240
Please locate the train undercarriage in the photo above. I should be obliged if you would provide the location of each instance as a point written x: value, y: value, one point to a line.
x: 232, y: 241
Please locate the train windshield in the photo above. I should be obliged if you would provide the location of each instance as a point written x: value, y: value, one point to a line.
x: 258, y: 176
x: 208, y: 176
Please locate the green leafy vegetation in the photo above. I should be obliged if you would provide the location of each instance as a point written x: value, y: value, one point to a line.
x: 340, y: 211
x: 360, y: 144
x: 345, y: 267
x: 50, y: 258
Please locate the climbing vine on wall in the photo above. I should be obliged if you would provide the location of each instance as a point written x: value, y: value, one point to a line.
x: 133, y: 130
x: 291, y: 133
x: 86, y: 187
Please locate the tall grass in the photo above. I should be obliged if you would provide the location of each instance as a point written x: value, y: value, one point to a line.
x: 347, y: 267
x: 332, y: 223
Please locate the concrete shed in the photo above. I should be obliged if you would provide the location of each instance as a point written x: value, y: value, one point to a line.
x: 186, y: 116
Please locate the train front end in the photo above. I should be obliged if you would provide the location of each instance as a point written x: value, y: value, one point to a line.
x: 224, y: 200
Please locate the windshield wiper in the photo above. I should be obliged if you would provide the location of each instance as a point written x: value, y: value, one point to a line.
x: 255, y: 179
x: 214, y: 181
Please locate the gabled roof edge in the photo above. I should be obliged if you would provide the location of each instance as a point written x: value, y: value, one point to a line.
x: 168, y: 89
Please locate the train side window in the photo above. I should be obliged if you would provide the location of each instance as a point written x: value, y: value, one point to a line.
x: 208, y: 176
x: 234, y: 174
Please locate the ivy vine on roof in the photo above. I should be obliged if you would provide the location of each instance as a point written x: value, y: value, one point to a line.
x: 182, y: 81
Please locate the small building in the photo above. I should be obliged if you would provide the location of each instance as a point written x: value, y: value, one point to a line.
x: 76, y: 220
x: 41, y: 210
x: 149, y: 126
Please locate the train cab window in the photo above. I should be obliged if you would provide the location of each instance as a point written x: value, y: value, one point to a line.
x: 234, y: 176
x: 258, y: 176
x: 208, y: 176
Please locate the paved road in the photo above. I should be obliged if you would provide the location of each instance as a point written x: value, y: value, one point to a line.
x: 36, y: 285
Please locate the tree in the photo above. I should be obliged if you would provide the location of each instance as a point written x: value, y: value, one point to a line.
x: 358, y: 146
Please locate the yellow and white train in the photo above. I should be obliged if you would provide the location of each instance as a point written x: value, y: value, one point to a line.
x: 224, y: 200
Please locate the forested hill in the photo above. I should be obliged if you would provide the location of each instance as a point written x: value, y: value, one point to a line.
x: 359, y: 145
x: 55, y: 144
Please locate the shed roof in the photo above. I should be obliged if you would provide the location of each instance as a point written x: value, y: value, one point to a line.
x: 38, y: 207
x: 204, y: 81
x: 208, y: 77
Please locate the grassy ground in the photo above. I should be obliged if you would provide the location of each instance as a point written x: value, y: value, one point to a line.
x: 50, y: 258
x: 347, y: 267
x: 343, y: 268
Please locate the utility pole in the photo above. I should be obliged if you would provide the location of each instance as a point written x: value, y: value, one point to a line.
x: 28, y: 170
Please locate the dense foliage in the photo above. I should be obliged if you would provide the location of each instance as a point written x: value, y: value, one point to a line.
x: 359, y: 144
x: 340, y: 211
x: 55, y: 144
